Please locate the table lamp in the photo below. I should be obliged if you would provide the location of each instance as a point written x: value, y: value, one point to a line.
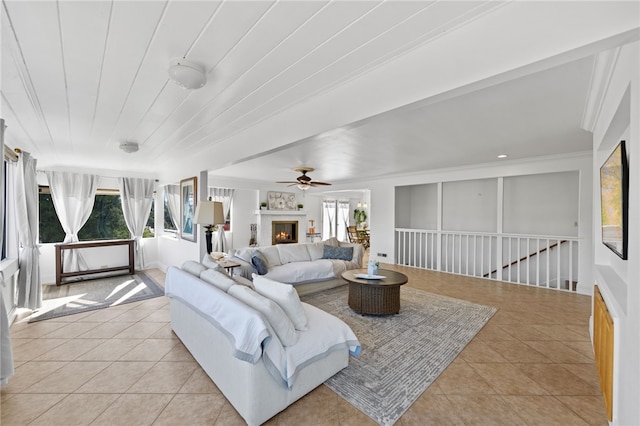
x: 208, y: 214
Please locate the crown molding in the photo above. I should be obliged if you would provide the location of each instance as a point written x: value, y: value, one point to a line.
x: 601, y: 75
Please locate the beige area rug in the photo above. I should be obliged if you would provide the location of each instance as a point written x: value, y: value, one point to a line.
x: 82, y: 296
x: 402, y: 354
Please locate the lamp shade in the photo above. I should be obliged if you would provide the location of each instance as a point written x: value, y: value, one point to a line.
x: 209, y: 213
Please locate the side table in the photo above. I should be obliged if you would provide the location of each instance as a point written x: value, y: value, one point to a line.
x: 229, y: 265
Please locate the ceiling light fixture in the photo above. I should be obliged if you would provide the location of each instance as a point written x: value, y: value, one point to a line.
x: 502, y: 156
x: 187, y: 74
x: 303, y: 186
x: 129, y: 147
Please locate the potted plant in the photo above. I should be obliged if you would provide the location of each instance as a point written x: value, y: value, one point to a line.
x: 360, y: 216
x: 263, y: 205
x: 300, y: 206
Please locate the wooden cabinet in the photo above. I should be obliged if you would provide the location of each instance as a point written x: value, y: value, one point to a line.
x: 603, y: 348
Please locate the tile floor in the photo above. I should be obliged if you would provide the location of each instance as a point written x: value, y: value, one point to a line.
x: 532, y: 364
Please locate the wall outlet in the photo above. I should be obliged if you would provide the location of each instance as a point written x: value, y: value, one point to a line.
x: 382, y: 254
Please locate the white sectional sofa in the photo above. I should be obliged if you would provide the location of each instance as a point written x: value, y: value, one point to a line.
x: 238, y: 343
x: 310, y: 267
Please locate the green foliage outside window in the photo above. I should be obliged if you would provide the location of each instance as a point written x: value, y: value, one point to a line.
x: 106, y: 221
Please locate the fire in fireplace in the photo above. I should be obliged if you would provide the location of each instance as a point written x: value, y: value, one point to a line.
x: 284, y: 231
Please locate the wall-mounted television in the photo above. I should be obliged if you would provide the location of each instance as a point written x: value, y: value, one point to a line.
x: 614, y: 199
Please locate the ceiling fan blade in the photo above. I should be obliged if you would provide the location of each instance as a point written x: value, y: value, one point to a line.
x: 288, y: 181
x: 314, y: 183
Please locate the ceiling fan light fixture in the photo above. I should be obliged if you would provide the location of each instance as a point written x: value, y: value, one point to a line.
x: 304, y: 186
x: 129, y: 147
x: 187, y: 74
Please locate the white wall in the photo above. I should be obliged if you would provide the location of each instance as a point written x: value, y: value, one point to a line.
x: 383, y: 204
x: 543, y: 204
x: 619, y: 280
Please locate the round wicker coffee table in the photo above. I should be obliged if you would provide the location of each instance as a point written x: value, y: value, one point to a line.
x: 375, y: 296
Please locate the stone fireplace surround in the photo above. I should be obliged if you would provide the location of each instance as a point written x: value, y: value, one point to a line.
x: 265, y: 219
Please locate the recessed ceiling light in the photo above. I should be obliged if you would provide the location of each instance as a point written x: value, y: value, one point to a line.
x: 502, y: 156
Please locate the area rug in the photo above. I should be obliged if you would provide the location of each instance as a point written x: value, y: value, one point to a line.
x: 402, y: 354
x: 100, y: 293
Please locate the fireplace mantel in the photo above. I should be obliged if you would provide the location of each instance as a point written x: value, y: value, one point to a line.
x: 280, y: 213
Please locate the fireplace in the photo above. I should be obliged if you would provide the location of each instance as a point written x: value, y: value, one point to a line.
x: 284, y: 232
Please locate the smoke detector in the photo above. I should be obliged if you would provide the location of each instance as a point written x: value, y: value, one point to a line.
x: 129, y: 147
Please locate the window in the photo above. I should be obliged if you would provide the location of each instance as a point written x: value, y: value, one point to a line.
x: 335, y: 219
x: 106, y: 221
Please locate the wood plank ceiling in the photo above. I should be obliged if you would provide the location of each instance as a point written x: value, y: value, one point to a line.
x: 79, y: 77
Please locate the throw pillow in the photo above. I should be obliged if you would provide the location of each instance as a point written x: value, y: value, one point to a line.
x: 218, y: 279
x: 341, y: 253
x: 358, y: 252
x: 333, y: 242
x: 285, y: 296
x: 193, y: 267
x: 279, y: 321
x: 259, y: 262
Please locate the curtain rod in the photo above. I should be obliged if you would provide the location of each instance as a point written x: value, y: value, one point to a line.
x: 11, y: 154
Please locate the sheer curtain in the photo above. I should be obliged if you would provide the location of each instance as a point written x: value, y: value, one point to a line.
x: 73, y: 195
x: 328, y: 218
x: 6, y: 351
x: 173, y: 203
x: 29, y: 287
x: 136, y: 195
x: 343, y: 220
x: 225, y: 196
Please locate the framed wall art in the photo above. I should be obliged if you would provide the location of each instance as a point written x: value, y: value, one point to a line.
x: 281, y: 201
x: 188, y: 208
x: 614, y: 198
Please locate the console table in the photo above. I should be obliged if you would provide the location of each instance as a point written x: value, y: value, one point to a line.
x: 60, y: 274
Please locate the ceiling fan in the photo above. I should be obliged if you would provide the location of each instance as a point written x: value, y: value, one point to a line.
x: 303, y: 181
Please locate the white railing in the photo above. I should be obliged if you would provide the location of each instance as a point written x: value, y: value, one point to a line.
x: 543, y: 261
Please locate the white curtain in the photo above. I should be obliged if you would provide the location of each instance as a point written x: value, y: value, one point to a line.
x: 172, y: 192
x: 73, y: 195
x: 343, y: 220
x: 6, y: 351
x: 225, y: 196
x: 328, y: 219
x: 29, y: 287
x: 136, y: 195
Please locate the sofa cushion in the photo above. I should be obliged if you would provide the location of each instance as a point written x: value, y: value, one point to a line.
x: 193, y: 267
x: 303, y: 272
x: 358, y: 252
x: 243, y: 281
x: 316, y: 250
x: 271, y: 255
x: 293, y: 253
x: 279, y: 321
x: 285, y: 296
x: 341, y: 253
x: 259, y: 262
x: 218, y: 279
